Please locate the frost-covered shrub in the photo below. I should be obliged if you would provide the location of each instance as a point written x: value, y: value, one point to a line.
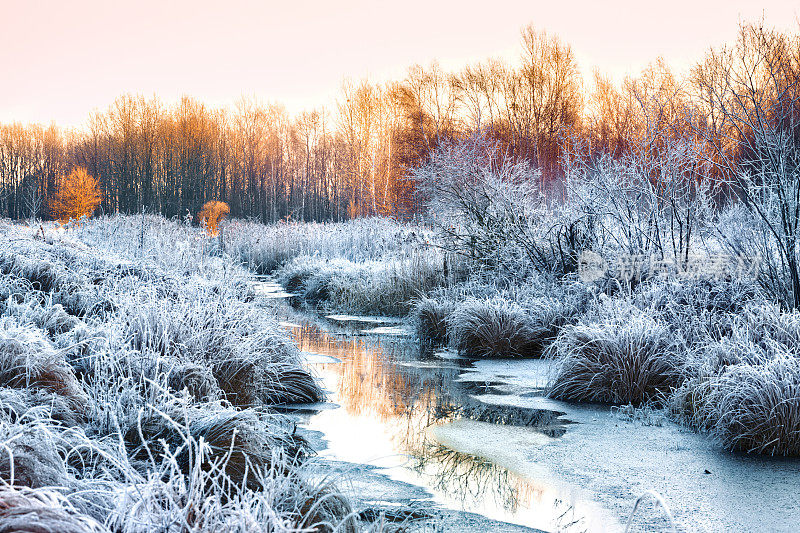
x: 30, y: 458
x: 56, y: 273
x: 493, y: 210
x: 501, y: 328
x: 195, y: 378
x: 265, y: 248
x: 172, y: 374
x: 242, y: 467
x: 16, y: 404
x: 42, y: 511
x: 372, y: 287
x: 46, y: 315
x: 696, y: 294
x: 194, y: 324
x: 759, y: 230
x: 429, y: 317
x: 757, y: 333
x: 297, y: 272
x: 767, y: 324
x: 751, y: 406
x: 29, y: 361
x: 242, y: 441
x: 292, y: 504
x: 697, y: 308
x: 14, y: 290
x: 757, y: 407
x: 623, y: 357
x: 250, y: 358
x: 386, y: 288
x: 324, y: 508
x: 146, y: 244
x: 745, y: 389
x: 253, y: 381
x: 42, y: 274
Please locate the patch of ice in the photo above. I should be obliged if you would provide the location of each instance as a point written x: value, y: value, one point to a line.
x: 526, y: 402
x: 317, y: 358
x: 523, y: 374
x: 394, y: 331
x: 271, y: 290
x: 448, y: 354
x: 503, y: 445
x: 277, y: 295
x: 377, y: 320
x: 426, y: 364
x: 384, y: 503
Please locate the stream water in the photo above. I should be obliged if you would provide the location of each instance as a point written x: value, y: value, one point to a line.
x: 416, y: 416
x: 481, y: 437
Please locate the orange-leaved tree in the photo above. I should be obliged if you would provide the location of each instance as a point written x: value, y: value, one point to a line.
x: 77, y: 196
x: 212, y: 214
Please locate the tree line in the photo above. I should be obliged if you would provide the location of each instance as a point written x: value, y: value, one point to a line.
x: 354, y: 160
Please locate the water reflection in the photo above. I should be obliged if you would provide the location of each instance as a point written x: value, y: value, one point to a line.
x: 469, y: 478
x: 395, y: 403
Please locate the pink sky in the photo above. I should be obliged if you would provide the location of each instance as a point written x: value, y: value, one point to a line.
x: 62, y: 59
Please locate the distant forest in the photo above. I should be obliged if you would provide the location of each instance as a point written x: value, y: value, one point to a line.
x: 354, y: 159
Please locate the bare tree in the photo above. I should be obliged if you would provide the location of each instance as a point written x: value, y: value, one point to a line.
x: 32, y: 197
x: 751, y: 134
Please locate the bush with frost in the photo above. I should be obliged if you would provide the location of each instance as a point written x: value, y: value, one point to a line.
x: 252, y: 361
x: 620, y: 356
x: 266, y: 248
x: 497, y: 327
x: 30, y: 457
x: 17, y: 404
x: 38, y: 269
x: 243, y: 443
x: 372, y: 287
x: 745, y: 389
x: 386, y: 288
x: 29, y: 361
x: 754, y: 406
x: 493, y: 209
x: 42, y: 511
x: 255, y: 381
x: 429, y: 317
x: 697, y: 309
x: 45, y: 315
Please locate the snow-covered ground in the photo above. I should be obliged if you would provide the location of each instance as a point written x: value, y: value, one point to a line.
x: 138, y: 378
x: 616, y: 458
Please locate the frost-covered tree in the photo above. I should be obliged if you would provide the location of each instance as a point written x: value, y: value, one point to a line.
x: 752, y: 99
x: 493, y: 209
x: 32, y: 197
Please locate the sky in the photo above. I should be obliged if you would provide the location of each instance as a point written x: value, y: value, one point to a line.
x: 60, y: 60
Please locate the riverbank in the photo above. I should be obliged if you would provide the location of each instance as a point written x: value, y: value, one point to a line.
x: 138, y: 383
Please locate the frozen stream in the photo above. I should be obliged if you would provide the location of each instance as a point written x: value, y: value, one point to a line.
x: 480, y: 437
x: 418, y: 420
